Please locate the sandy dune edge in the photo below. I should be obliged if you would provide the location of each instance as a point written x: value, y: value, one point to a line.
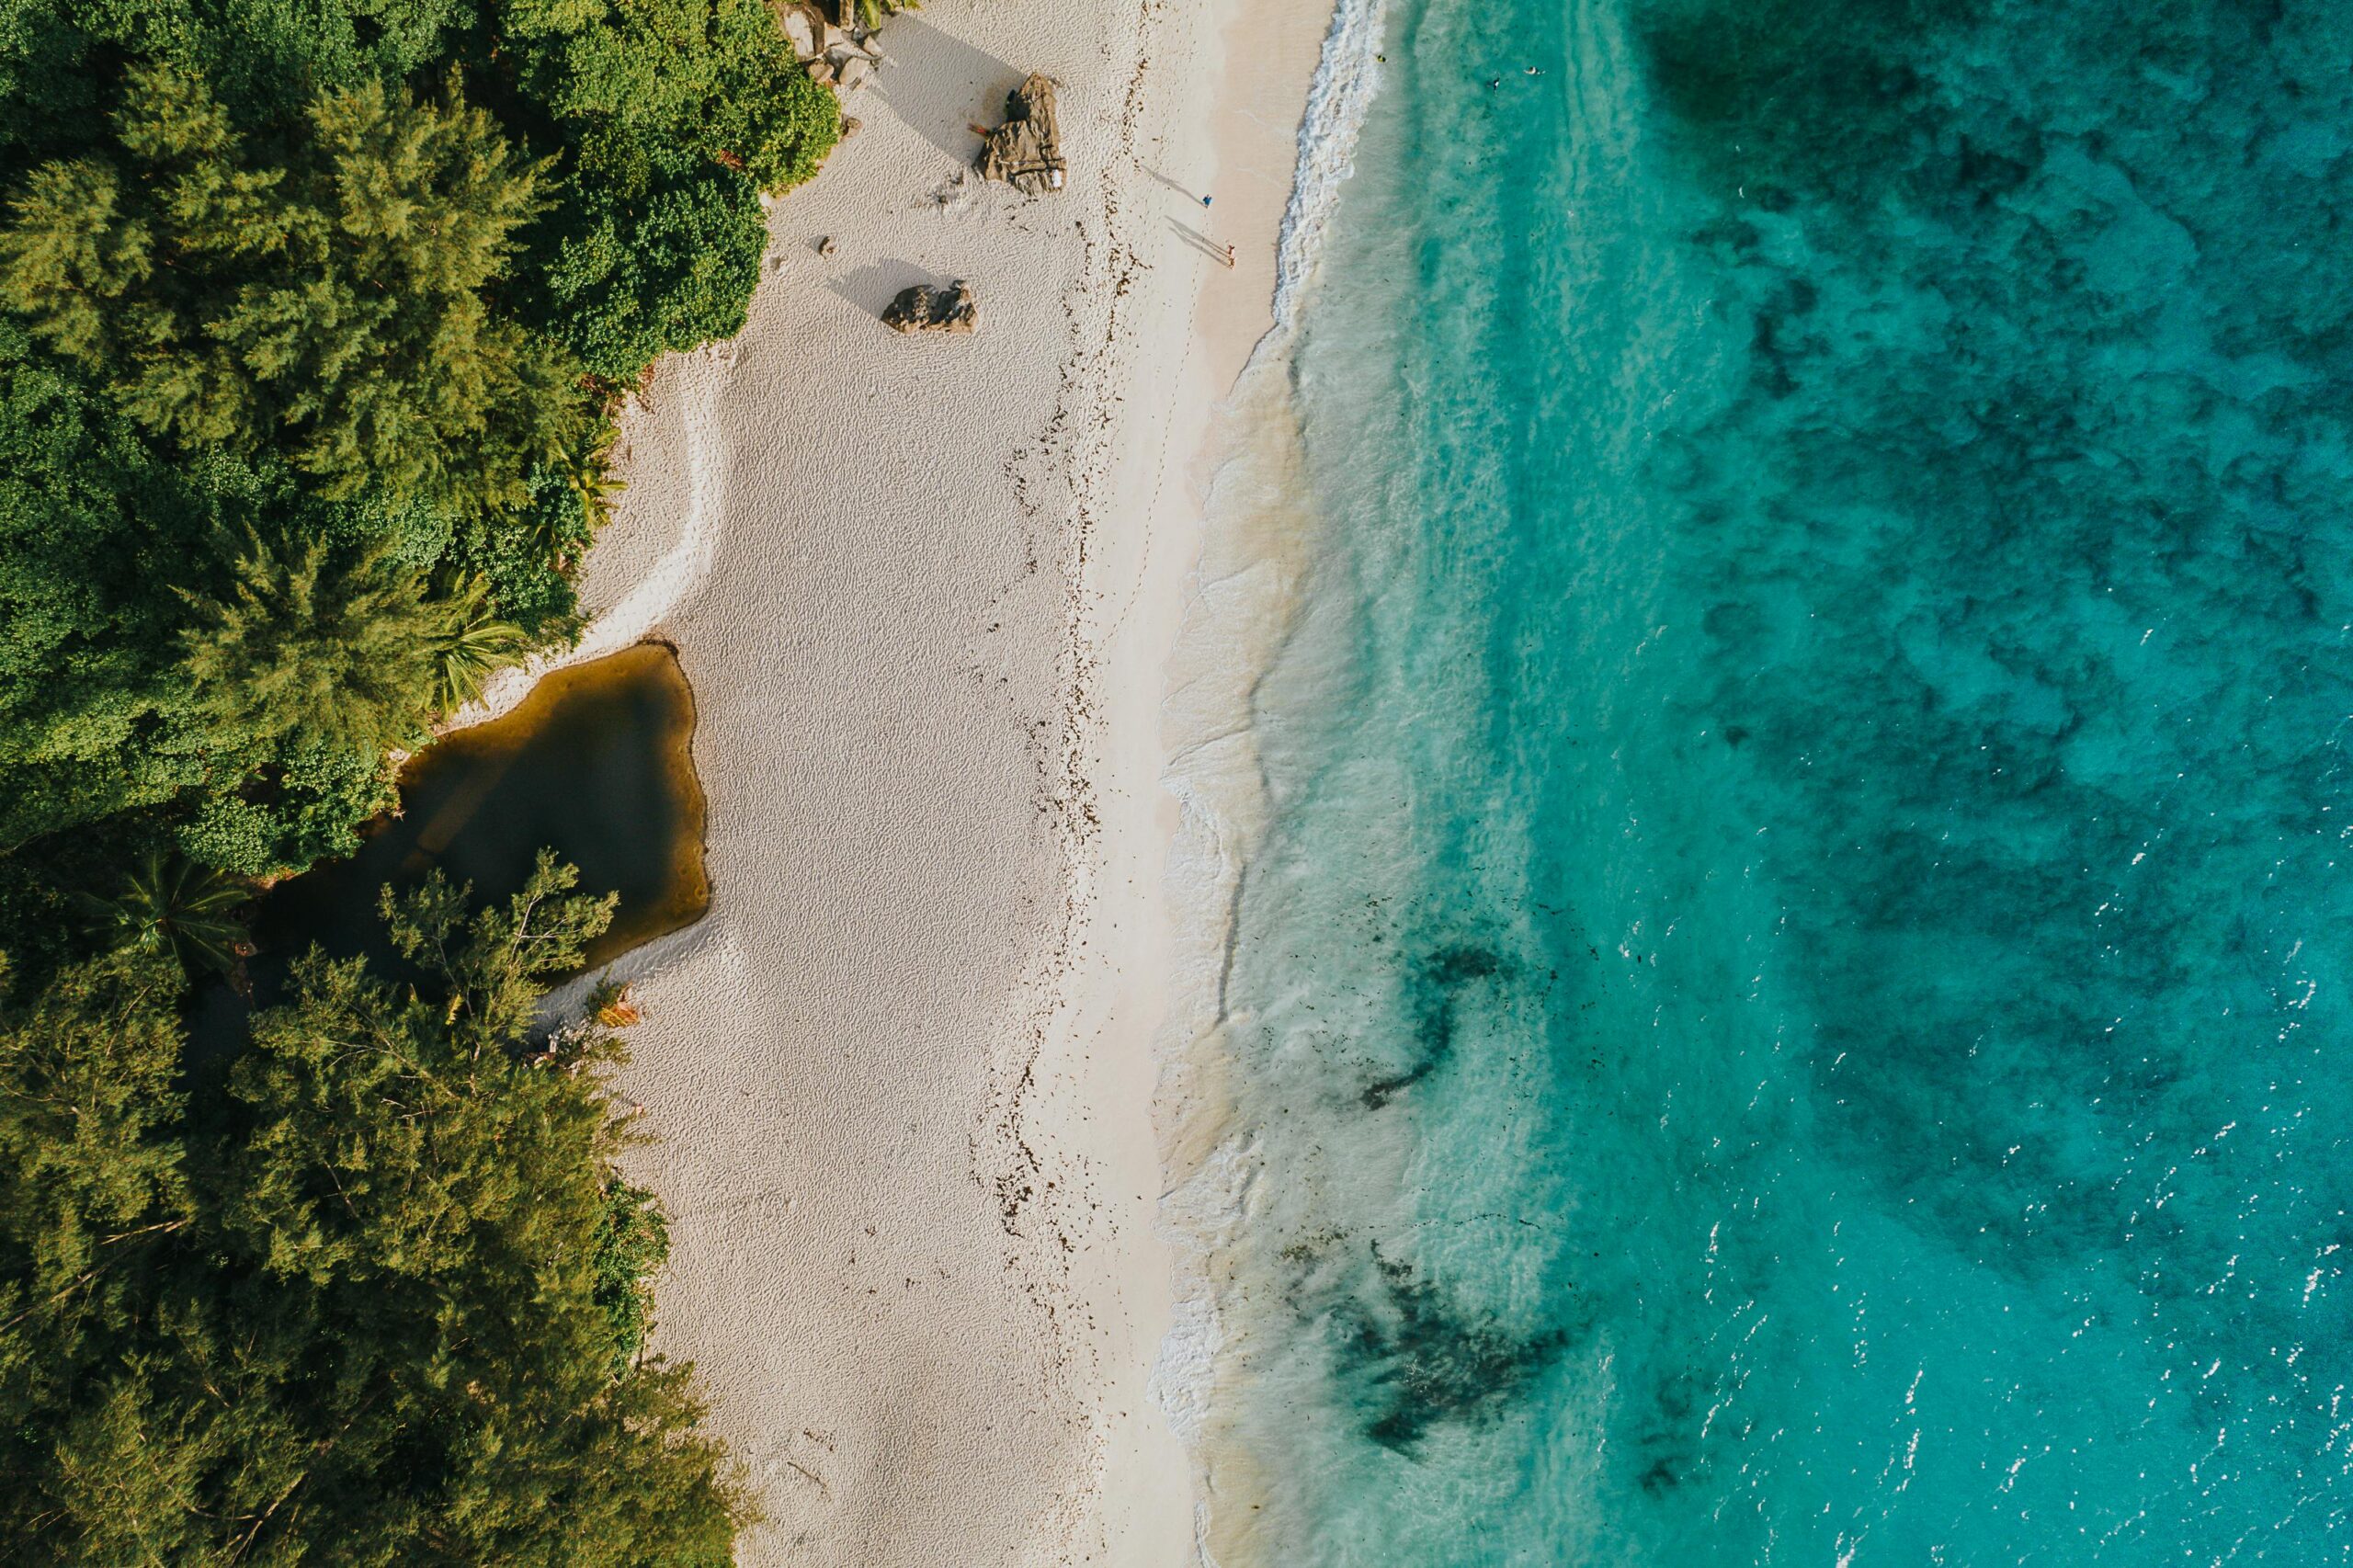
x: 902, y: 1076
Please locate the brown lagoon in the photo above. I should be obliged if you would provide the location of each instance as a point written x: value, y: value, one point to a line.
x: 596, y: 764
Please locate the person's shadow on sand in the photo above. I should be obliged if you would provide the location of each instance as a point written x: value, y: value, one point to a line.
x: 1201, y: 242
x: 941, y: 86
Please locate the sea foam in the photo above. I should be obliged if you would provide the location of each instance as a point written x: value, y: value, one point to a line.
x: 1347, y: 76
x: 1245, y: 599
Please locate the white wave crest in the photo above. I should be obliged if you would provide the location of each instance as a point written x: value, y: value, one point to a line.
x: 1346, y: 77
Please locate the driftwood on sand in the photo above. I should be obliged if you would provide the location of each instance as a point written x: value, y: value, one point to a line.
x: 1026, y: 152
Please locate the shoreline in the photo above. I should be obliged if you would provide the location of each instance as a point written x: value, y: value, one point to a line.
x: 900, y: 1077
x: 1262, y: 63
x: 1245, y: 601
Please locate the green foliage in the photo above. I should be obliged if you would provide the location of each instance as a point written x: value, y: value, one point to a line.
x: 332, y: 306
x: 88, y: 1173
x: 783, y: 127
x: 660, y: 252
x: 264, y: 59
x: 308, y: 805
x: 713, y: 80
x: 91, y: 719
x: 473, y: 643
x: 524, y: 555
x: 109, y: 565
x: 364, y: 1310
x: 871, y: 12
x: 298, y: 647
x: 173, y: 905
x: 256, y: 287
x: 490, y: 961
x: 270, y: 278
x: 676, y: 115
x: 632, y: 1243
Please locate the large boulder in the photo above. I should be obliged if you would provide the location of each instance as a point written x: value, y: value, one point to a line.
x: 1026, y: 152
x: 922, y: 308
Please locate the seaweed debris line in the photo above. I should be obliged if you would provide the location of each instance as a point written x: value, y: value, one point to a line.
x: 596, y: 764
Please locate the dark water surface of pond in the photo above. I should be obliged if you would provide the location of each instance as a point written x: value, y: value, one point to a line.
x: 596, y: 764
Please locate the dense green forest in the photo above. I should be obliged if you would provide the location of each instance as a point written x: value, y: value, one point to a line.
x: 374, y: 1297
x: 315, y: 311
x: 313, y: 317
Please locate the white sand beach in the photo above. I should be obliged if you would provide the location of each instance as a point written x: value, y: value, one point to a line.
x: 900, y: 1076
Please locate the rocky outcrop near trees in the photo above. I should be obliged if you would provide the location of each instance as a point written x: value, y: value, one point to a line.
x: 1026, y: 152
x: 842, y: 56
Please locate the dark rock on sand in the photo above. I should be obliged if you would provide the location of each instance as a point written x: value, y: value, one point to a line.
x: 1026, y: 152
x: 921, y: 308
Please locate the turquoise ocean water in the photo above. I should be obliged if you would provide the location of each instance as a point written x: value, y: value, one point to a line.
x: 1792, y: 1005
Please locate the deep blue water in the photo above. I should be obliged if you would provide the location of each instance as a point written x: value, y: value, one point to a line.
x: 1794, y: 1007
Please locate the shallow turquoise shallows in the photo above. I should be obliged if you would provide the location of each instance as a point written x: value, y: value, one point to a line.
x: 1794, y: 1009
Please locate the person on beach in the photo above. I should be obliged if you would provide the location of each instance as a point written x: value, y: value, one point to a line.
x: 1229, y: 256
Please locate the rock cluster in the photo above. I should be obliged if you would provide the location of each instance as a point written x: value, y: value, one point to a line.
x: 1026, y: 152
x: 841, y: 58
x: 922, y: 308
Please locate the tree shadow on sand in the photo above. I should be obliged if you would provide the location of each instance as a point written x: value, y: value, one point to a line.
x: 941, y: 86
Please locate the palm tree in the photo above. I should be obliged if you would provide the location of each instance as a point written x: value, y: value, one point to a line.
x: 175, y: 905
x: 587, y: 469
x: 471, y: 644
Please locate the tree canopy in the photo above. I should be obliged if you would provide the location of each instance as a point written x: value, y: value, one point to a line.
x: 313, y: 317
x: 350, y: 285
x: 381, y: 1303
x: 331, y: 306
